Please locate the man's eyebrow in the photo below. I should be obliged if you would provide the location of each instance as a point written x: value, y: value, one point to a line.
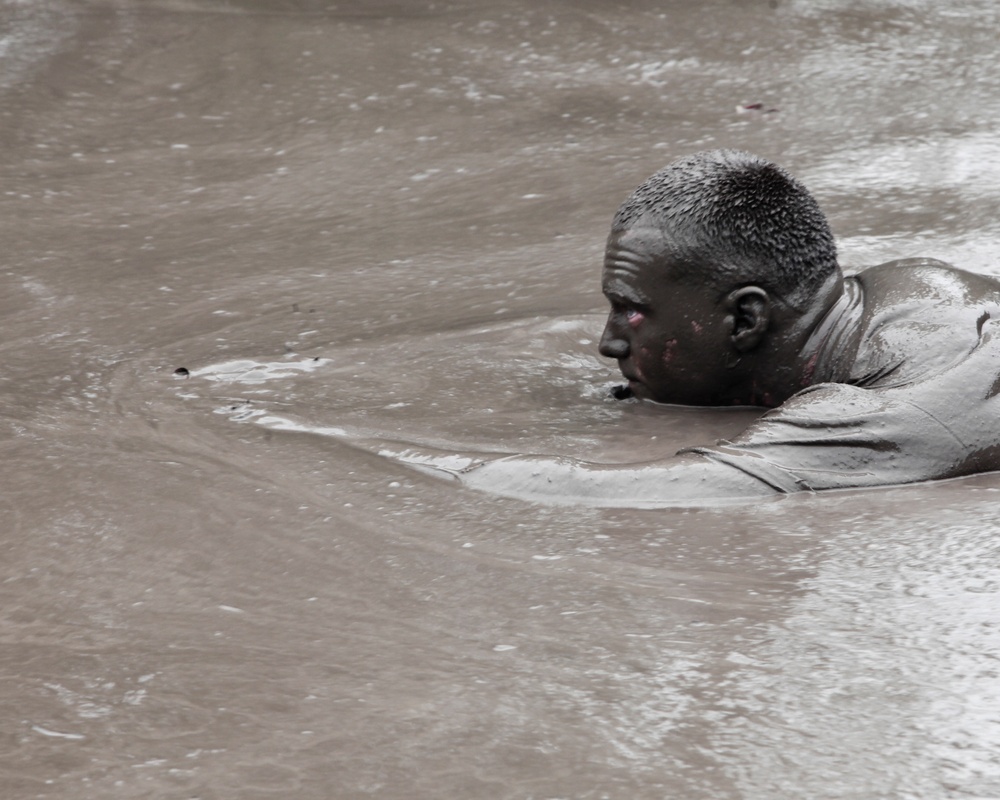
x: 622, y: 294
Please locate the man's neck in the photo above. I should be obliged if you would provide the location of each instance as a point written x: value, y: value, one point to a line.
x: 812, y: 347
x: 833, y: 343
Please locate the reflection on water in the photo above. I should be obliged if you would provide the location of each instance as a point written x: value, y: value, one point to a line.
x: 364, y: 223
x: 924, y: 594
x: 969, y: 163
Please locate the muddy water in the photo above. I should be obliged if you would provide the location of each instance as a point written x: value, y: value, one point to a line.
x: 386, y: 218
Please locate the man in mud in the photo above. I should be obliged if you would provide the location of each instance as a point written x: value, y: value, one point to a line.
x: 724, y: 287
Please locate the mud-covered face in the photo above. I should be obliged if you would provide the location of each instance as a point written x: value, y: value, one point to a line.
x: 668, y: 333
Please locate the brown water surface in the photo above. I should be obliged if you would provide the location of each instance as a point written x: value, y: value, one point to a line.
x: 387, y: 218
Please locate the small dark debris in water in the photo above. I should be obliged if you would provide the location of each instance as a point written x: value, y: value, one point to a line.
x: 239, y: 405
x: 746, y: 108
x: 295, y: 308
x: 621, y: 392
x: 316, y: 358
x: 182, y: 372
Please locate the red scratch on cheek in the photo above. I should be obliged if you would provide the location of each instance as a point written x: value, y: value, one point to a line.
x: 669, y: 351
x: 696, y: 326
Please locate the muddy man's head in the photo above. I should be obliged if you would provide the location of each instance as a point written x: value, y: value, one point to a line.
x: 708, y: 262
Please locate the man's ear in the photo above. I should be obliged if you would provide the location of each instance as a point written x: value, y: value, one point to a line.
x: 748, y: 316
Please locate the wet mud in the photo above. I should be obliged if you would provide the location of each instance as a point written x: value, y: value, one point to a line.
x: 239, y: 236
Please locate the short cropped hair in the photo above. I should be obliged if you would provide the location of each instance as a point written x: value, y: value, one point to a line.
x: 746, y: 218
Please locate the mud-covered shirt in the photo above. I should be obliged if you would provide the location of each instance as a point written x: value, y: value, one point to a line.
x: 917, y: 403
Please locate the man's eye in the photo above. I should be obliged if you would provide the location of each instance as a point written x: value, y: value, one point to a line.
x: 633, y: 315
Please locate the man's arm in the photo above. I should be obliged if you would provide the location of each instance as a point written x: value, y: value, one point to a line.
x: 677, y: 481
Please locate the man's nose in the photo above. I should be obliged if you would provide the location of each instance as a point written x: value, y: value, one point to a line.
x: 612, y: 345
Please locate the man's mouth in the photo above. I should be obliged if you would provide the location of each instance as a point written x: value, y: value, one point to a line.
x: 627, y: 390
